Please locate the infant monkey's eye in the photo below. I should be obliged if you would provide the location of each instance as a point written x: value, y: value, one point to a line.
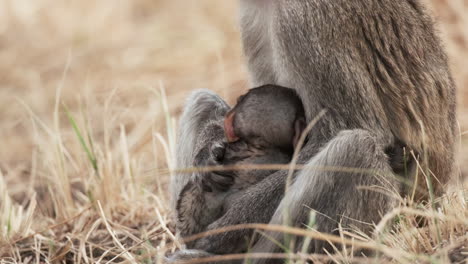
x: 218, y: 152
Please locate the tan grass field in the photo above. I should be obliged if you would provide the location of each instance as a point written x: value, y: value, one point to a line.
x: 90, y: 92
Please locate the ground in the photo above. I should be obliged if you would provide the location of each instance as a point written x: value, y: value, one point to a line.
x: 89, y: 96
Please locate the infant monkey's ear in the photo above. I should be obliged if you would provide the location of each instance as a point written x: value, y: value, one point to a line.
x: 229, y: 127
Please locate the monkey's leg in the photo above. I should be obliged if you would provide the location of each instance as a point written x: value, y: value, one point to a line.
x: 202, y: 107
x: 196, y: 204
x: 343, y: 183
x: 328, y: 185
x: 197, y: 208
x: 256, y: 205
x: 198, y: 132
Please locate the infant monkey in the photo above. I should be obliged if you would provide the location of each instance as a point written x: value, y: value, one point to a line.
x: 264, y: 127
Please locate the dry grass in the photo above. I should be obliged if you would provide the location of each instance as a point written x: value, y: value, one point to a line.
x: 88, y: 90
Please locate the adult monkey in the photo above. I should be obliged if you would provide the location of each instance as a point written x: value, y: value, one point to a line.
x: 379, y: 70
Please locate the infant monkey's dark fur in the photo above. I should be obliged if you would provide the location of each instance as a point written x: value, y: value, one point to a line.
x: 262, y: 128
x: 267, y: 117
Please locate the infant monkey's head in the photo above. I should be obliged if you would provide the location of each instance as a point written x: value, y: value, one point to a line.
x: 264, y: 127
x: 267, y: 117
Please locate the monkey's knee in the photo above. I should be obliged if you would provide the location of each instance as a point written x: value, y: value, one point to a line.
x: 201, y: 107
x: 349, y: 190
x: 363, y: 155
x: 356, y: 149
x: 204, y: 101
x: 202, y: 96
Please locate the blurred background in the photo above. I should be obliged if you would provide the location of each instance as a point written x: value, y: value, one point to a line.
x: 90, y: 48
x: 121, y: 70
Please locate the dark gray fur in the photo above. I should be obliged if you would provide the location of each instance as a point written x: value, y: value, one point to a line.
x: 200, y: 131
x: 378, y: 68
x: 207, y: 195
x: 269, y: 117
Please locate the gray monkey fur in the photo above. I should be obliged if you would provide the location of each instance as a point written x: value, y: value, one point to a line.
x: 200, y: 126
x: 265, y: 137
x: 378, y: 68
x: 192, y: 135
x: 268, y: 116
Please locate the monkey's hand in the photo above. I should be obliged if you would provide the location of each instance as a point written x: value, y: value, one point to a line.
x: 212, y: 180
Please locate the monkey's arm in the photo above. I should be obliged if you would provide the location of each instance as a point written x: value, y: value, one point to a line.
x: 196, y: 132
x: 197, y: 207
x: 189, y: 209
x: 256, y: 205
x: 198, y: 196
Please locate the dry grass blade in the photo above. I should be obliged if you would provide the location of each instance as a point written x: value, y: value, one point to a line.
x: 112, y: 233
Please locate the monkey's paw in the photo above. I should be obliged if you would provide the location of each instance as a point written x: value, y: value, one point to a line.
x: 219, y: 181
